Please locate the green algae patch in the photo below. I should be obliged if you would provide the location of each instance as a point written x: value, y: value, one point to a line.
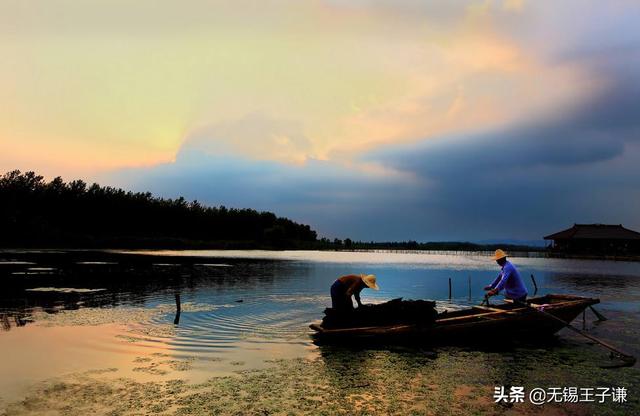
x: 349, y: 382
x: 92, y: 316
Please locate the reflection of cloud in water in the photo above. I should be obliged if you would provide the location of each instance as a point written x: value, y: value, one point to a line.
x: 457, y: 261
x: 280, y: 299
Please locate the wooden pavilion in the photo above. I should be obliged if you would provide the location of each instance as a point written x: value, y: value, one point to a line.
x: 596, y: 239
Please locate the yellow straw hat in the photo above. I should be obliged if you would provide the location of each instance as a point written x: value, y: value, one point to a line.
x: 370, y: 281
x: 499, y: 255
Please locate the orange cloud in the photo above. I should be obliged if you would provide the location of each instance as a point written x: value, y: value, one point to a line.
x: 97, y: 88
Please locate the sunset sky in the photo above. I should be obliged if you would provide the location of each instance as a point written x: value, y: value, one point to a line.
x: 369, y: 119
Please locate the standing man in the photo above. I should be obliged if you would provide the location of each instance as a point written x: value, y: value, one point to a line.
x: 509, y: 279
x: 346, y: 286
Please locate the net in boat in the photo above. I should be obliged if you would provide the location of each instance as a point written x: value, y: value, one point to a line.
x: 396, y: 311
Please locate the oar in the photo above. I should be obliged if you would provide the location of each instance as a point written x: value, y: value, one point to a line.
x: 486, y: 300
x: 629, y: 360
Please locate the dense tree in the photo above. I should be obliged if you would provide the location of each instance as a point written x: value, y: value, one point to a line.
x: 34, y: 212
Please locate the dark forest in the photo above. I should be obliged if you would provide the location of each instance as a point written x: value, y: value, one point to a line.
x: 37, y: 213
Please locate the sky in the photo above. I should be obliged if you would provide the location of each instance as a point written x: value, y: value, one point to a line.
x: 369, y: 119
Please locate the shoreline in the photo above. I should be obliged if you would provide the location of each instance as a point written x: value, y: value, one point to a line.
x: 110, y: 252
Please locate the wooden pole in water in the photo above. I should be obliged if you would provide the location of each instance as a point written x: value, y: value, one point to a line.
x: 469, y: 288
x: 535, y: 286
x: 176, y: 320
x: 449, y: 288
x: 598, y: 314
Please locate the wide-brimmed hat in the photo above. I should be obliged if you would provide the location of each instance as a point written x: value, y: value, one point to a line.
x: 370, y: 281
x: 499, y: 255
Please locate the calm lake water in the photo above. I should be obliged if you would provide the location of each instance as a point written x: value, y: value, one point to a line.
x: 241, y: 309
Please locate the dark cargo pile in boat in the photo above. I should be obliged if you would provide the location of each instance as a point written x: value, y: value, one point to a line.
x: 396, y: 311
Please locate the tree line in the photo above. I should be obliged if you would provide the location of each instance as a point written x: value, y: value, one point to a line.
x: 348, y: 244
x: 37, y: 213
x: 34, y: 212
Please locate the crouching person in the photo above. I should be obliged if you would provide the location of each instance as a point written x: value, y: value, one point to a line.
x: 350, y: 285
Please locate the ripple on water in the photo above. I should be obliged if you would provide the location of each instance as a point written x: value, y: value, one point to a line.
x: 224, y: 326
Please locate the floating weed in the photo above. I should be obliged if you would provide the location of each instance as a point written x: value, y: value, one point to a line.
x: 92, y: 316
x: 344, y: 382
x: 101, y: 371
x: 129, y: 338
x: 211, y: 359
x: 152, y: 369
x: 179, y: 365
x: 160, y: 354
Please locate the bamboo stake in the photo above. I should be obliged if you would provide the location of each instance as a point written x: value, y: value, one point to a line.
x: 598, y: 314
x: 176, y: 320
x: 535, y: 286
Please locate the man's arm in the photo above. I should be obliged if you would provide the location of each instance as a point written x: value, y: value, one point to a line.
x: 506, y: 273
x: 356, y: 295
x: 353, y: 290
x: 494, y: 283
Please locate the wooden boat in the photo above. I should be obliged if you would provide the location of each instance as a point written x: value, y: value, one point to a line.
x: 509, y: 320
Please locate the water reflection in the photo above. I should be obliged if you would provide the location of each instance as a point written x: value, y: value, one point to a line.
x: 219, y: 315
x: 270, y: 300
x: 71, y: 285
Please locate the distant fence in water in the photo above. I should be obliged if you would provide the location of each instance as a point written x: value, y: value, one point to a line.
x: 534, y: 254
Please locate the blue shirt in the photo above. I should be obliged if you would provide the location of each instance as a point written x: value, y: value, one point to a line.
x: 509, y: 279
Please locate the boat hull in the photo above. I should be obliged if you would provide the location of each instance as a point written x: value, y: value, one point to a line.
x: 477, y: 324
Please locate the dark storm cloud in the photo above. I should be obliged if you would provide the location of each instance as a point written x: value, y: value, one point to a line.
x: 597, y: 131
x: 532, y: 179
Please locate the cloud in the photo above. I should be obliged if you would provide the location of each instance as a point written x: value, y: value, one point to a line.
x: 337, y: 200
x: 102, y: 85
x: 520, y: 181
x: 596, y: 130
x: 373, y: 119
x: 255, y: 136
x: 540, y: 175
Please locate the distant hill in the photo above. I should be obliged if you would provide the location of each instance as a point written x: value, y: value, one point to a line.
x: 36, y: 213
